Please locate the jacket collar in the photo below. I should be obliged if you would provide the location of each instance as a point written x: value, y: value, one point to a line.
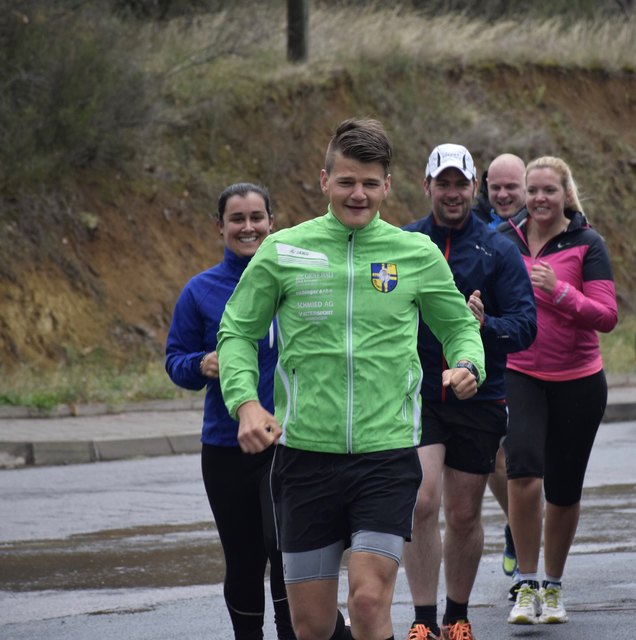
x: 577, y: 220
x: 453, y: 232
x: 235, y: 262
x: 335, y: 226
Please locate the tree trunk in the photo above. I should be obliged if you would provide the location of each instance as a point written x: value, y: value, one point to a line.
x: 297, y: 30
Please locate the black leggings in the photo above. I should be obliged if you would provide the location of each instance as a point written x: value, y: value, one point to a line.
x: 551, y: 430
x: 237, y: 485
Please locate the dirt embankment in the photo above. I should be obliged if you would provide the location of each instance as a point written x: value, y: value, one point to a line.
x: 93, y: 274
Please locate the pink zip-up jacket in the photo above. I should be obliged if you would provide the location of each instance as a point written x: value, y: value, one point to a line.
x: 582, y: 303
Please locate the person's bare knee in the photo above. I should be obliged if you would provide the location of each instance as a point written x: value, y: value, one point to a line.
x: 429, y: 497
x: 426, y: 510
x: 313, y: 606
x: 365, y: 601
x: 369, y: 606
x: 463, y: 497
x: 463, y: 516
x: 371, y: 583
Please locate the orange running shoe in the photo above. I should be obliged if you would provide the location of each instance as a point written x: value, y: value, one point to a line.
x: 420, y: 631
x: 458, y: 631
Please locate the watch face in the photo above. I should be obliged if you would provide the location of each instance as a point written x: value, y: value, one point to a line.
x: 471, y: 367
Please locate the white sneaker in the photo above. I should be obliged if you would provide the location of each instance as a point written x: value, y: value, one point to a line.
x: 527, y: 607
x: 552, y: 609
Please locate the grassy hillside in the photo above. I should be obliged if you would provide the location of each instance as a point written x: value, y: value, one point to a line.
x: 111, y: 163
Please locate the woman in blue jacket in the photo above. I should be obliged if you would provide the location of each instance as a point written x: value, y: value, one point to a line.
x: 236, y: 483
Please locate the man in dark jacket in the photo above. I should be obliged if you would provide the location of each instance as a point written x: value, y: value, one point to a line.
x: 502, y: 190
x: 502, y: 193
x: 460, y: 439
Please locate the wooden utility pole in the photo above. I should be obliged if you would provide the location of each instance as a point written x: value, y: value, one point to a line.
x: 297, y: 30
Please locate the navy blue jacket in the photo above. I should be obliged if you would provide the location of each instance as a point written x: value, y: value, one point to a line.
x: 192, y: 334
x: 480, y: 258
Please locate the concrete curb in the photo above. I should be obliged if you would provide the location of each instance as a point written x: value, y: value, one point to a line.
x: 79, y: 446
x: 63, y: 452
x: 617, y: 383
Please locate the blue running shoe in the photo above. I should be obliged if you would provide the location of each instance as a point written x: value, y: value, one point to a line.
x: 509, y: 560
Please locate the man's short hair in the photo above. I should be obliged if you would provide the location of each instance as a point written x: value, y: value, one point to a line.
x: 364, y: 140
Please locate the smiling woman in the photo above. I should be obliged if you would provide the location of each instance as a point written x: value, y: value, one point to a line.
x: 557, y: 391
x: 244, y: 220
x: 230, y: 476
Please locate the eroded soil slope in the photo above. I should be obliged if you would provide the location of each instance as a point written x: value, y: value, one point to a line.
x: 98, y: 271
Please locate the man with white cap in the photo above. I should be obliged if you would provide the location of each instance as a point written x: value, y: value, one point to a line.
x: 460, y: 438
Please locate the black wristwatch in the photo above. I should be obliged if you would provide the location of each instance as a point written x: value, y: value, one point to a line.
x: 466, y: 364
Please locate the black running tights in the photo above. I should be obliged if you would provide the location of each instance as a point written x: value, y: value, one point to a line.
x: 237, y: 485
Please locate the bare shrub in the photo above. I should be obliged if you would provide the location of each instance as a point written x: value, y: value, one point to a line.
x: 66, y: 102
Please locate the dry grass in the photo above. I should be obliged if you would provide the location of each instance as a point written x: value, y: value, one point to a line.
x: 81, y: 383
x: 619, y: 347
x: 348, y: 33
x: 607, y: 44
x: 198, y: 56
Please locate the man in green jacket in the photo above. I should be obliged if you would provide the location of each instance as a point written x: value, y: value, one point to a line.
x: 347, y: 289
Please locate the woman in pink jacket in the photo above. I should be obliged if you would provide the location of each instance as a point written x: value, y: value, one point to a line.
x: 556, y: 389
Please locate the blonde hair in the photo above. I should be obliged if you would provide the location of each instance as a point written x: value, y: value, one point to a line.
x: 560, y: 167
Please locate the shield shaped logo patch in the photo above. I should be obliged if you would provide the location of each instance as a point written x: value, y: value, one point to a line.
x: 384, y: 276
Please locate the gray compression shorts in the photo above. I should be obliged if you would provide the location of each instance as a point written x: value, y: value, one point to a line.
x: 324, y: 563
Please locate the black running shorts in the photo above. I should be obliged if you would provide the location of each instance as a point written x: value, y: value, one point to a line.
x: 471, y: 433
x: 320, y: 498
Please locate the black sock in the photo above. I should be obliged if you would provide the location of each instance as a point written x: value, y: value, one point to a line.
x: 547, y: 583
x: 455, y: 611
x: 531, y: 583
x: 427, y: 614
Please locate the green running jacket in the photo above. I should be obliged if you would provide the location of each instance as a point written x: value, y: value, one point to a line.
x: 347, y: 302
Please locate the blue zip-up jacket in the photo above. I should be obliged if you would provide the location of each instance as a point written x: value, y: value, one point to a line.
x: 195, y: 323
x: 480, y: 258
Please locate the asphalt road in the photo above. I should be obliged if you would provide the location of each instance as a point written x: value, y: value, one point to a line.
x: 127, y: 549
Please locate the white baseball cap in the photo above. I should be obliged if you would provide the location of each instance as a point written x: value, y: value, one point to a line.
x: 450, y: 155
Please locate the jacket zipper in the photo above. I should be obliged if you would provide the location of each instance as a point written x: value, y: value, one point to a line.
x: 349, y: 341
